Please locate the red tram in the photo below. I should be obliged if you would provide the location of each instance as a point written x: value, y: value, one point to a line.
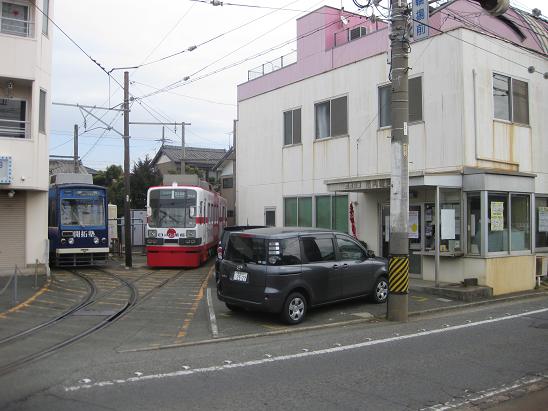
x: 184, y: 224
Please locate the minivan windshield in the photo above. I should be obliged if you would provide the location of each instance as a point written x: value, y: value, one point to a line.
x: 246, y: 249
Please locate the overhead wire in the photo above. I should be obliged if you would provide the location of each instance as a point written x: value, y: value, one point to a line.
x: 186, y: 81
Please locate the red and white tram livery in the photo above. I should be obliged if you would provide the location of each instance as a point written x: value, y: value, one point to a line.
x: 184, y: 224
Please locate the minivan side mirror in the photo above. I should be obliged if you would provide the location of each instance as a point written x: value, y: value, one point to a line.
x: 370, y: 254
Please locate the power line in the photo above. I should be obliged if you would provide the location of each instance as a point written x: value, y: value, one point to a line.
x: 186, y: 96
x: 180, y: 83
x: 76, y: 44
x: 256, y: 6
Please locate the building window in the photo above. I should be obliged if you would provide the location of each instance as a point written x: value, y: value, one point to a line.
x: 45, y: 19
x: 332, y: 212
x: 356, y: 33
x: 230, y: 213
x: 511, y: 99
x: 520, y: 229
x: 270, y: 217
x: 497, y: 230
x: 298, y: 212
x: 292, y: 127
x: 13, y: 118
x: 228, y: 182
x: 415, y: 102
x: 331, y: 117
x: 474, y: 223
x: 541, y: 211
x: 15, y: 19
x: 42, y: 112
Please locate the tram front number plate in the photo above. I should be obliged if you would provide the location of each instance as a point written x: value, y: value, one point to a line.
x: 239, y: 276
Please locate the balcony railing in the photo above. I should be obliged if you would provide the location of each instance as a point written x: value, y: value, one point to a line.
x: 16, y: 27
x: 272, y: 65
x: 14, y: 128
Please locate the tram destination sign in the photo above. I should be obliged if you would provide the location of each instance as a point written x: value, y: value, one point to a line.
x: 5, y: 170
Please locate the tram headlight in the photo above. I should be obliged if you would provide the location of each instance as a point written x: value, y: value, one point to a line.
x: 191, y: 233
x: 63, y: 241
x: 104, y: 240
x: 152, y: 233
x: 95, y: 240
x: 71, y: 241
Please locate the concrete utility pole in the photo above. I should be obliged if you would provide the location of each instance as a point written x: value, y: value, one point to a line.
x: 76, y: 168
x: 127, y: 216
x: 183, y: 147
x: 398, y: 265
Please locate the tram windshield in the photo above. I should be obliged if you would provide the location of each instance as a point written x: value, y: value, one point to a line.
x: 84, y: 212
x: 172, y: 208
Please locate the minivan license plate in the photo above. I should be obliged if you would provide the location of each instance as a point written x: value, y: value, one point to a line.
x: 239, y: 276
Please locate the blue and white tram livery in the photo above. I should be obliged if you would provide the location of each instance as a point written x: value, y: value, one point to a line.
x: 78, y: 226
x: 184, y: 224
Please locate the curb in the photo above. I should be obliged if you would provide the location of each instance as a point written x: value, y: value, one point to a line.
x: 334, y: 325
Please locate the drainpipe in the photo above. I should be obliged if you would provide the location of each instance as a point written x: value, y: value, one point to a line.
x: 475, y: 87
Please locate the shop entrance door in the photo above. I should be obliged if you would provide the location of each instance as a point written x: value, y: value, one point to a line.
x: 415, y: 237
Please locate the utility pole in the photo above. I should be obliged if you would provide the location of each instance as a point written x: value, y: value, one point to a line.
x: 76, y: 168
x: 127, y: 216
x: 183, y: 147
x: 398, y: 264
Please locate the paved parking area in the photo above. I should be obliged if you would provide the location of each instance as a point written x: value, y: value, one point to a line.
x: 180, y: 306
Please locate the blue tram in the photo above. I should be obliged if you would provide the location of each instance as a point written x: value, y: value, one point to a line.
x: 78, y: 221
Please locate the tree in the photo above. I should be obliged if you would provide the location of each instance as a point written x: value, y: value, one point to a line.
x: 113, y: 179
x: 144, y: 176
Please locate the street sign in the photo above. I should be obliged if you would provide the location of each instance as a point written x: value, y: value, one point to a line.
x: 5, y: 170
x: 420, y: 19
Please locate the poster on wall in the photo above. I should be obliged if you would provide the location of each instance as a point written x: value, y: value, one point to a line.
x: 543, y: 219
x: 497, y: 216
x: 447, y: 224
x: 413, y: 224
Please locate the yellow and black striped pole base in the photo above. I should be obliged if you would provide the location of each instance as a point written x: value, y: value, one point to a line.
x: 398, y: 274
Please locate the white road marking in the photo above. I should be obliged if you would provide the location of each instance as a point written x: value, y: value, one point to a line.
x: 444, y: 300
x: 212, y: 319
x: 482, y: 395
x: 331, y: 350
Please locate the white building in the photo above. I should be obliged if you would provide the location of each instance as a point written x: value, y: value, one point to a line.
x: 25, y: 87
x: 314, y: 140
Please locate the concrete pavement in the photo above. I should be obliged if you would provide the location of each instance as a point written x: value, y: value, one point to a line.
x: 186, y: 310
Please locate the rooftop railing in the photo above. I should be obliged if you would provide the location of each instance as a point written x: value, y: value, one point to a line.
x: 272, y: 65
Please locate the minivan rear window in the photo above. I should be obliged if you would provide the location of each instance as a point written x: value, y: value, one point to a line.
x: 284, y: 252
x: 246, y: 249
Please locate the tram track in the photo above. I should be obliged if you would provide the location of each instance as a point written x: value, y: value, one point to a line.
x: 96, y: 294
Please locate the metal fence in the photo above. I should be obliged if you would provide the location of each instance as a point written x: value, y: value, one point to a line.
x: 13, y: 281
x: 272, y: 65
x: 14, y: 128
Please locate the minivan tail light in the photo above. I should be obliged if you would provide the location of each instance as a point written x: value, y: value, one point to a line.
x: 220, y: 253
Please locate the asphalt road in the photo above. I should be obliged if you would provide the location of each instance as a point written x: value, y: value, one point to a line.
x: 465, y: 360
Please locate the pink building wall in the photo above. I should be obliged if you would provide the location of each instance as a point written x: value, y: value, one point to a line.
x: 319, y: 52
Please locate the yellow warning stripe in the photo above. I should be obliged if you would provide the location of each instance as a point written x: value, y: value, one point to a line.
x: 27, y: 302
x: 398, y: 274
x: 190, y: 315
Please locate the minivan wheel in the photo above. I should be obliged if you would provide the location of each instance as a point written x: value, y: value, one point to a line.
x: 380, y: 290
x: 232, y: 307
x: 294, y: 309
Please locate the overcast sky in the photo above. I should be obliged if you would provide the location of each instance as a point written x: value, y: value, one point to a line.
x: 125, y: 33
